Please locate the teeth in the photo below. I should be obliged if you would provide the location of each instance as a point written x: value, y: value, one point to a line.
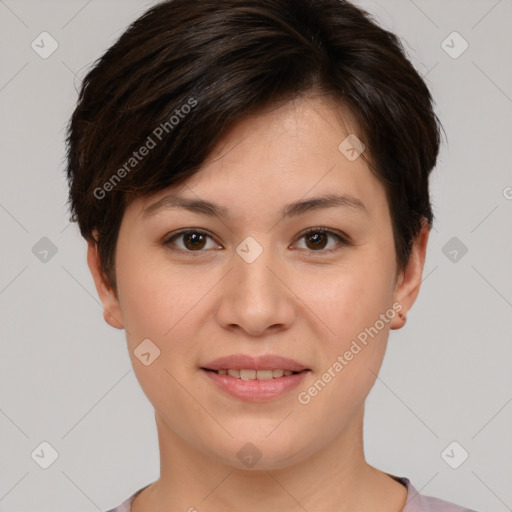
x: 248, y: 374
x: 255, y: 374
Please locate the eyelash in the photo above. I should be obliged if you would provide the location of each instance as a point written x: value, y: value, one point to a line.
x: 343, y: 240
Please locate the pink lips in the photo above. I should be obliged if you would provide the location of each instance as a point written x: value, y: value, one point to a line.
x: 246, y: 362
x: 255, y: 390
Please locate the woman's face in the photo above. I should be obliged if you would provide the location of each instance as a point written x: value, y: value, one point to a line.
x: 250, y: 282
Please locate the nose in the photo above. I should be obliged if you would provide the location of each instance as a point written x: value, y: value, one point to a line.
x: 256, y: 296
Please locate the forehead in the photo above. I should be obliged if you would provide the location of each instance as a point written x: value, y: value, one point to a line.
x: 272, y: 159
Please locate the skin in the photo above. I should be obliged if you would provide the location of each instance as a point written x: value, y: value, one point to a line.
x: 294, y: 300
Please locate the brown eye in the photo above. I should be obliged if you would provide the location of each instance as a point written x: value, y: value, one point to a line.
x: 191, y: 240
x: 317, y: 240
x: 194, y: 241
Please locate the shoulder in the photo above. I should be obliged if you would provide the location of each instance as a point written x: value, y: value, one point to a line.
x: 417, y: 502
x: 126, y: 505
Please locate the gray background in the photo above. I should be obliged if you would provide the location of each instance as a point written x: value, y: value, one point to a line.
x: 65, y: 375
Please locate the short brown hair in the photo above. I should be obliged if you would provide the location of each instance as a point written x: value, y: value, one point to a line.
x: 224, y: 60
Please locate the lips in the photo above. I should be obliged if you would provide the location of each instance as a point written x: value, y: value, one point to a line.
x: 254, y: 374
x: 255, y: 379
x: 247, y: 362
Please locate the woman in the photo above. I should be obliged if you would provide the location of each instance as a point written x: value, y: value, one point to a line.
x: 252, y: 180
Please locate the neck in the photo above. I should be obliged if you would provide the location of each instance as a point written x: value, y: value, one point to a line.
x: 334, y: 478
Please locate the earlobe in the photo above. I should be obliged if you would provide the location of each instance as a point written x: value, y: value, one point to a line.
x: 409, y: 282
x: 111, y: 309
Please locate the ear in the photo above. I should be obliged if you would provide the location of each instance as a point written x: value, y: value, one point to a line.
x: 409, y: 280
x: 111, y: 309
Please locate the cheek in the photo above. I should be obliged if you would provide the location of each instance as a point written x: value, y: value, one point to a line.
x: 157, y: 298
x: 350, y: 303
x: 160, y: 303
x: 352, y: 350
x: 357, y: 333
x: 350, y: 297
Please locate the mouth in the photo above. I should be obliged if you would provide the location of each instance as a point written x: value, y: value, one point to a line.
x: 255, y: 385
x: 255, y: 378
x: 250, y: 374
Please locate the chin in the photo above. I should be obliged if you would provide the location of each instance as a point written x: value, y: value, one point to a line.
x: 260, y: 453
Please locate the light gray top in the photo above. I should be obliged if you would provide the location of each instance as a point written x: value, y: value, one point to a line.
x: 416, y: 502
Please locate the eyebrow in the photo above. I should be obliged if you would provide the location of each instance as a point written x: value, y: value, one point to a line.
x: 294, y: 209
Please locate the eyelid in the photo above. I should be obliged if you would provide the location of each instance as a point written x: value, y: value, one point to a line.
x: 172, y: 236
x: 323, y: 229
x: 343, y: 239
